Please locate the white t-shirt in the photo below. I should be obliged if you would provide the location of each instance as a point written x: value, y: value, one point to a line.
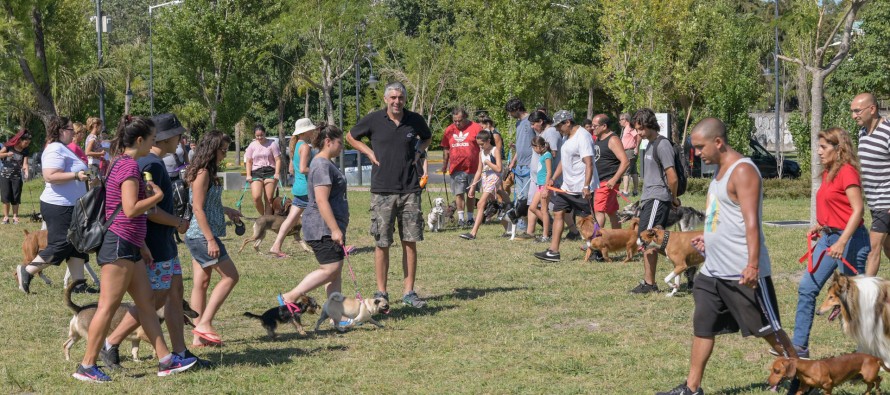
x: 577, y: 147
x: 58, y: 156
x: 90, y: 159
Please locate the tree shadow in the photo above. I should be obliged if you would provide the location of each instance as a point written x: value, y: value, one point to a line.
x: 276, y: 356
x: 475, y: 293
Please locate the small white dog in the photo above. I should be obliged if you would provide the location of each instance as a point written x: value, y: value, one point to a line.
x: 437, y: 215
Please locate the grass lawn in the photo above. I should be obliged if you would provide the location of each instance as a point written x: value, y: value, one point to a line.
x: 498, y: 321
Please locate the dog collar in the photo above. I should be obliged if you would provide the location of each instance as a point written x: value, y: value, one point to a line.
x: 664, y: 243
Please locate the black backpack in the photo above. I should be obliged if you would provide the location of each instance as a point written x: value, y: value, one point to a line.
x: 182, y: 208
x: 87, y: 229
x: 681, y: 165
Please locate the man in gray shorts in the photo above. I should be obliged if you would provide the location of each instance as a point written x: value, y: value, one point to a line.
x: 399, y: 137
x: 734, y: 291
x: 461, y: 158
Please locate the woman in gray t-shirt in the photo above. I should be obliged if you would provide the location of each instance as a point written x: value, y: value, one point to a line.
x: 325, y: 219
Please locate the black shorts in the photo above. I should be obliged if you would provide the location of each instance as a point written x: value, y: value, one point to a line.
x: 114, y: 248
x: 880, y: 221
x: 653, y: 213
x: 263, y: 173
x: 725, y: 306
x: 326, y: 251
x: 567, y: 202
x: 58, y: 249
x: 11, y: 190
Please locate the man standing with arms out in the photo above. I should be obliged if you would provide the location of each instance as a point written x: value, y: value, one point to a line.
x: 520, y: 162
x: 659, y: 190
x: 630, y: 140
x: 734, y: 291
x: 461, y: 158
x: 398, y: 138
x: 874, y: 157
x: 611, y: 163
x: 576, y: 169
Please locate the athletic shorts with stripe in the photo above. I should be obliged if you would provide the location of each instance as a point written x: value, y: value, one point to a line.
x: 653, y: 213
x: 725, y: 306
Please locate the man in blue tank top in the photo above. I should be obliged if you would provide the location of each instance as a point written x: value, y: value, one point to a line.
x: 734, y: 291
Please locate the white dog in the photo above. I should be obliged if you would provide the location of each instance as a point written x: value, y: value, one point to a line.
x: 437, y: 215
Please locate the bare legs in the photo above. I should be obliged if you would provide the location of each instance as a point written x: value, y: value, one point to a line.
x: 207, y: 308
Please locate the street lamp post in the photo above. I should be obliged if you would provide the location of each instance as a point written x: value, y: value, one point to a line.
x: 372, y: 80
x: 151, y: 64
x: 779, y: 136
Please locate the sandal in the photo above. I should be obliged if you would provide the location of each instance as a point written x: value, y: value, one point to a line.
x: 279, y: 255
x: 212, y: 338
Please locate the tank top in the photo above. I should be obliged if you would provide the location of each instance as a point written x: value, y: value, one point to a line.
x: 300, y: 187
x: 490, y: 157
x: 607, y: 163
x: 213, y: 209
x: 726, y: 249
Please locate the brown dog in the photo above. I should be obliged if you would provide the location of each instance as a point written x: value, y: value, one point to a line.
x: 677, y: 246
x: 829, y: 372
x: 34, y: 242
x: 609, y: 240
x: 271, y: 222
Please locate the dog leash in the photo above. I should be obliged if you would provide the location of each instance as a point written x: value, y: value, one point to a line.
x: 240, y: 199
x: 352, y: 274
x: 808, y: 256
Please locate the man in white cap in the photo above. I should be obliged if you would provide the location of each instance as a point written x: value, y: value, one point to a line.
x: 304, y: 130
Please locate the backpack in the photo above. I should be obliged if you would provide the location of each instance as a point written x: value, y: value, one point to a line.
x: 87, y: 229
x: 182, y: 208
x: 681, y: 165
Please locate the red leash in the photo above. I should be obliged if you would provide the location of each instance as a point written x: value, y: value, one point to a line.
x: 809, y: 258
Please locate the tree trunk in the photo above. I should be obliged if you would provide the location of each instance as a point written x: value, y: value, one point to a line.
x: 329, y: 103
x: 590, y: 102
x: 306, y: 105
x: 815, y: 127
x: 127, y: 98
x: 803, y: 95
x: 239, y: 127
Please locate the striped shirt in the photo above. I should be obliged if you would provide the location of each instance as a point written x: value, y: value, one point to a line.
x: 874, y: 155
x: 132, y: 230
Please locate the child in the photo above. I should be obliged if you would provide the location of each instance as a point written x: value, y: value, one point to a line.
x: 325, y: 219
x: 489, y: 171
x: 202, y: 238
x: 128, y: 198
x: 304, y: 131
x: 542, y: 147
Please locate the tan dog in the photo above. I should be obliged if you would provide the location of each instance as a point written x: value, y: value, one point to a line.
x: 828, y: 373
x: 338, y: 307
x: 80, y: 324
x: 677, y: 246
x: 266, y: 223
x: 609, y: 240
x: 33, y: 243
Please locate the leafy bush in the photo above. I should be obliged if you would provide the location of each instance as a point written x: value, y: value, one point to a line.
x: 773, y: 188
x: 800, y: 132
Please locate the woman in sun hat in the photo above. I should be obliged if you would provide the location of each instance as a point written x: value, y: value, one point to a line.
x: 304, y: 131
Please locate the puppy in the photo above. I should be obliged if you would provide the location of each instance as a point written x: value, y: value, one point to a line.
x: 338, y: 307
x: 828, y: 373
x: 436, y: 216
x: 33, y: 243
x: 609, y: 240
x: 266, y: 223
x: 280, y: 206
x: 281, y: 315
x: 448, y: 215
x: 677, y: 246
x: 80, y: 323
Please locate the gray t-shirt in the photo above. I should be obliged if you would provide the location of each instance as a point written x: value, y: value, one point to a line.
x: 323, y: 172
x: 555, y: 140
x: 654, y: 186
x: 523, y: 141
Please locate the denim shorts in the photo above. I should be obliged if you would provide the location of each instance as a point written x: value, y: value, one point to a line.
x: 115, y: 248
x: 300, y: 201
x: 198, y: 249
x: 160, y: 274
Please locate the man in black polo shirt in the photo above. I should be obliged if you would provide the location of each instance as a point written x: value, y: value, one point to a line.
x: 398, y: 138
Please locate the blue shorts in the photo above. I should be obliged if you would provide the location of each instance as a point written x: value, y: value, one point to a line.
x: 198, y: 249
x: 160, y: 274
x: 300, y: 201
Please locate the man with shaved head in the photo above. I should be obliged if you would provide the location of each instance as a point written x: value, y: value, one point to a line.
x: 874, y: 157
x: 734, y: 291
x: 611, y: 163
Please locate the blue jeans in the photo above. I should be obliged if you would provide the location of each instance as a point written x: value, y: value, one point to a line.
x: 856, y: 252
x: 521, y: 178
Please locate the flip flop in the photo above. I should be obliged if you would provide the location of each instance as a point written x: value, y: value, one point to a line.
x: 279, y: 255
x: 215, y: 340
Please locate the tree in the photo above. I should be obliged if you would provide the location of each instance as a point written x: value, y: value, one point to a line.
x: 814, y: 62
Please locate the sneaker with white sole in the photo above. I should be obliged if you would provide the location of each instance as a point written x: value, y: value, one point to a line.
x: 111, y: 357
x: 548, y: 255
x: 682, y: 389
x: 411, y: 299
x: 24, y: 279
x: 802, y: 353
x: 92, y: 375
x: 176, y: 364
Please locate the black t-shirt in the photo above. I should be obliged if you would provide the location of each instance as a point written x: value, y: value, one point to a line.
x: 12, y: 165
x: 394, y: 147
x: 159, y: 238
x: 607, y: 163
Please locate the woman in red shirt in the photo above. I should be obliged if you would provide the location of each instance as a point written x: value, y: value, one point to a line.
x: 840, y: 230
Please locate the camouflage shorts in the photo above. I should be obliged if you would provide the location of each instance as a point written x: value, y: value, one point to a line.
x: 386, y: 207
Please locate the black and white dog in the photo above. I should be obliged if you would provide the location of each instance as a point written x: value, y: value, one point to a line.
x: 686, y: 218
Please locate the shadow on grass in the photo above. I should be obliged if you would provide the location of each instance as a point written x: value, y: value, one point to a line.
x: 274, y: 356
x: 362, y: 250
x: 749, y: 388
x: 405, y: 312
x: 475, y: 293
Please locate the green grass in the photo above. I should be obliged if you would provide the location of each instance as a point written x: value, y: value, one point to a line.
x: 499, y: 321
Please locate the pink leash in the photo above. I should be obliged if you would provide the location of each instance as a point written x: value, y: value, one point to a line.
x: 352, y: 274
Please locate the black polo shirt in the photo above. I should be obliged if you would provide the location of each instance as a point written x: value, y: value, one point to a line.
x: 394, y: 146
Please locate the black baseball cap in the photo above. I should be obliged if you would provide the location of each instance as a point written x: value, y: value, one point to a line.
x: 167, y: 126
